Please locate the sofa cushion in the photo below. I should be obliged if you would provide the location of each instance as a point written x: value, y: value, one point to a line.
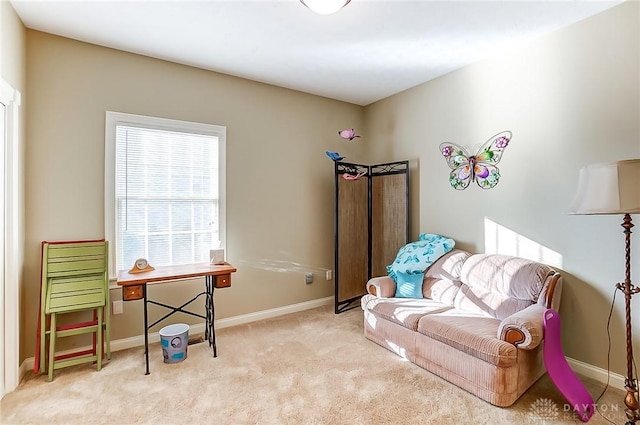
x: 441, y: 279
x: 500, y: 285
x: 415, y: 257
x: 449, y: 265
x: 471, y: 333
x: 409, y: 285
x: 442, y: 290
x: 488, y: 303
x: 403, y: 311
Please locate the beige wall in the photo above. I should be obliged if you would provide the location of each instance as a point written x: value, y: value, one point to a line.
x: 570, y: 99
x: 12, y: 47
x: 279, y: 180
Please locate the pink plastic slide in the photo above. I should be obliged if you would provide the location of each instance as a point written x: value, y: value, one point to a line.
x: 559, y: 370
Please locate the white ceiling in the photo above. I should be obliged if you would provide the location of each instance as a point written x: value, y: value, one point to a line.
x: 369, y: 50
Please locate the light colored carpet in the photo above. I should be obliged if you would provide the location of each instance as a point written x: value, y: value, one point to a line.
x: 312, y: 367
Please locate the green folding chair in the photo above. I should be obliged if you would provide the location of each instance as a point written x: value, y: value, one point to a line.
x: 74, y: 279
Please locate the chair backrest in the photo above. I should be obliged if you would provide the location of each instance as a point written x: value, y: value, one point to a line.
x: 74, y: 275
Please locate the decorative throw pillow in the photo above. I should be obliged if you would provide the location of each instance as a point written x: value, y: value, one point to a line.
x: 416, y: 257
x: 409, y: 285
x: 430, y: 237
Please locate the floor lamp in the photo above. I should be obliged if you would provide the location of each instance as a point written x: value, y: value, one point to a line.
x: 614, y: 188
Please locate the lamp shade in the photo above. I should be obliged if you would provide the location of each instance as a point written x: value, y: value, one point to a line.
x: 325, y: 7
x: 612, y: 188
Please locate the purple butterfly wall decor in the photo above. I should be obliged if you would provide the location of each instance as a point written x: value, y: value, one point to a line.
x: 480, y: 167
x: 348, y: 134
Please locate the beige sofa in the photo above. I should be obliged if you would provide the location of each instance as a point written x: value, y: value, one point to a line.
x: 479, y: 325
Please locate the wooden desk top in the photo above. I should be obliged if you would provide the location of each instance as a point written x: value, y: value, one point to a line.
x: 162, y: 273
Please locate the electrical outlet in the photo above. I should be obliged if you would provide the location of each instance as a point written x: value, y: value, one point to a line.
x: 329, y: 274
x: 308, y: 278
x: 117, y: 307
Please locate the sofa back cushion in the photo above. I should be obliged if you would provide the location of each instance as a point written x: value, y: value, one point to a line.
x: 442, y: 279
x: 489, y: 303
x: 500, y: 285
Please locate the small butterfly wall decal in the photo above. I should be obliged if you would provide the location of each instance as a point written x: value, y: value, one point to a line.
x: 480, y: 167
x: 335, y: 156
x: 348, y: 134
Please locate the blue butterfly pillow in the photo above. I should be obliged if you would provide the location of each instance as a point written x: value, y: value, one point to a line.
x: 413, y: 259
x: 409, y: 285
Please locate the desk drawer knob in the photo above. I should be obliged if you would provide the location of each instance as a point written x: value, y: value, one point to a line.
x: 223, y: 281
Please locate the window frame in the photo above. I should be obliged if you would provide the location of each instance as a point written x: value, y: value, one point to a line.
x: 114, y: 119
x: 13, y: 242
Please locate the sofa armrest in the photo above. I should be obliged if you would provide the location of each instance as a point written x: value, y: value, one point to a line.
x: 551, y: 291
x: 381, y: 287
x: 524, y: 329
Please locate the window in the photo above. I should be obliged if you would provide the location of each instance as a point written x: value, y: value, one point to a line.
x: 164, y: 190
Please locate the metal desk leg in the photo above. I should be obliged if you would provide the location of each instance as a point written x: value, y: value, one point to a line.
x: 210, y: 333
x: 146, y: 330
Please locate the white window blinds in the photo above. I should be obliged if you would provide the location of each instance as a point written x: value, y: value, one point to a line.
x: 167, y: 194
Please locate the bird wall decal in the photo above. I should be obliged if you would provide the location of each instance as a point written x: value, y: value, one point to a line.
x: 335, y: 156
x: 348, y: 176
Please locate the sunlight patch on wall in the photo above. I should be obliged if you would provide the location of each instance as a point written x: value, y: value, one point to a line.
x: 501, y: 240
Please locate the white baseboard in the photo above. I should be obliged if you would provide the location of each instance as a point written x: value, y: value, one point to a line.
x: 585, y: 369
x: 597, y: 373
x: 138, y: 341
